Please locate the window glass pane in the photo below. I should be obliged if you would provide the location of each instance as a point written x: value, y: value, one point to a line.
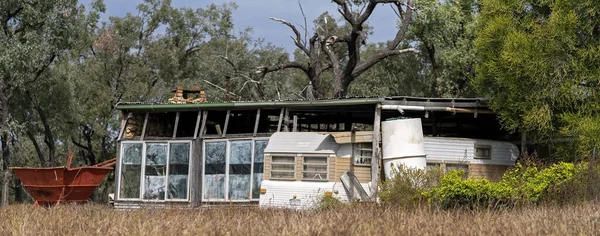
x: 282, y: 175
x: 257, y: 175
x: 314, y: 168
x: 131, y: 170
x: 283, y: 159
x: 155, y: 171
x: 214, y: 170
x: 179, y: 156
x: 240, y: 163
x: 482, y: 152
x: 314, y: 176
x: 282, y: 167
x: 315, y: 160
x: 363, y: 153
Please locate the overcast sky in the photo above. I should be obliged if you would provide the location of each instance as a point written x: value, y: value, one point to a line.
x: 256, y: 13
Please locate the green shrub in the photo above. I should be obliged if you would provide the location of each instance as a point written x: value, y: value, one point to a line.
x: 456, y: 192
x: 522, y: 185
x: 406, y: 189
x: 584, y: 185
x: 530, y: 183
x: 329, y: 202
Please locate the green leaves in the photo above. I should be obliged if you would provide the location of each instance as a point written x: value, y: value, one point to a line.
x: 534, y: 61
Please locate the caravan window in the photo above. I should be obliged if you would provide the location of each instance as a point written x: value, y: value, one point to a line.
x: 483, y: 152
x: 283, y: 167
x: 314, y: 168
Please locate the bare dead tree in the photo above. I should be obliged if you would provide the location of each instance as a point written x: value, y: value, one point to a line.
x: 322, y: 57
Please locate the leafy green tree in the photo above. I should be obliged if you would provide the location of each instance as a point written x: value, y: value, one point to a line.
x: 539, y: 64
x: 34, y: 34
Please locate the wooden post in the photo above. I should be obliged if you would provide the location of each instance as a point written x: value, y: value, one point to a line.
x: 376, y: 153
x: 295, y: 125
x: 203, y: 126
x: 144, y: 127
x: 226, y: 124
x: 286, y: 120
x: 256, y: 122
x: 280, y: 119
x: 198, y: 118
x: 124, y: 120
x: 196, y: 173
x: 176, y: 125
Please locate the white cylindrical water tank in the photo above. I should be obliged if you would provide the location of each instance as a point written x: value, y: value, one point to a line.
x: 402, y: 144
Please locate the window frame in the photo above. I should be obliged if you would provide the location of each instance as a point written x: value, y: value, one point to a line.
x: 326, y: 166
x: 356, y: 149
x: 227, y: 167
x: 489, y: 147
x: 293, y: 163
x: 143, y: 171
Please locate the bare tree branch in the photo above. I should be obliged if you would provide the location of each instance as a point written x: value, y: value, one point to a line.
x: 292, y: 64
x: 298, y: 40
x: 377, y: 58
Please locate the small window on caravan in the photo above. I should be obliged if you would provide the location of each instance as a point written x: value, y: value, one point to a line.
x: 283, y: 167
x: 314, y: 168
x: 483, y: 152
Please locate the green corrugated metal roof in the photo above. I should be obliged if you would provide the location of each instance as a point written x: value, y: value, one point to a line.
x: 244, y: 105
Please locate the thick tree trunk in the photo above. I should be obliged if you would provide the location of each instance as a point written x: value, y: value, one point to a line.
x: 6, y: 141
x: 5, y: 164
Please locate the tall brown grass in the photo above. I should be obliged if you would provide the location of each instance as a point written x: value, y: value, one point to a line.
x: 580, y: 219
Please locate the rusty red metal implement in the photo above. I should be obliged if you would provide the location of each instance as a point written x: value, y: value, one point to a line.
x: 54, y: 185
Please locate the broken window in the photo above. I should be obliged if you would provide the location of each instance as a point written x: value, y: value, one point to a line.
x: 164, y: 174
x: 241, y: 169
x: 314, y: 168
x: 257, y: 174
x: 363, y: 152
x: 179, y: 165
x: 214, y: 170
x: 283, y: 167
x: 131, y: 169
x: 155, y: 173
x: 240, y: 164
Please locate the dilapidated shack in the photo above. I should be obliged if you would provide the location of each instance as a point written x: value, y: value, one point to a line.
x: 210, y: 153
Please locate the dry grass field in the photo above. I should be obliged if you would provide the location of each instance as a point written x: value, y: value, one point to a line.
x: 583, y: 219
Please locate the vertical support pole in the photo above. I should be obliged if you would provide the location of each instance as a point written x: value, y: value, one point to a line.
x: 198, y: 118
x: 196, y: 173
x: 226, y: 123
x: 176, y: 124
x: 376, y: 153
x: 144, y: 127
x: 203, y: 126
x: 124, y: 120
x: 295, y: 124
x: 280, y: 119
x: 256, y: 122
x: 352, y: 161
x: 286, y: 120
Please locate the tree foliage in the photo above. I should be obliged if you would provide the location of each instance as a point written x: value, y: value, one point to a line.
x: 539, y: 64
